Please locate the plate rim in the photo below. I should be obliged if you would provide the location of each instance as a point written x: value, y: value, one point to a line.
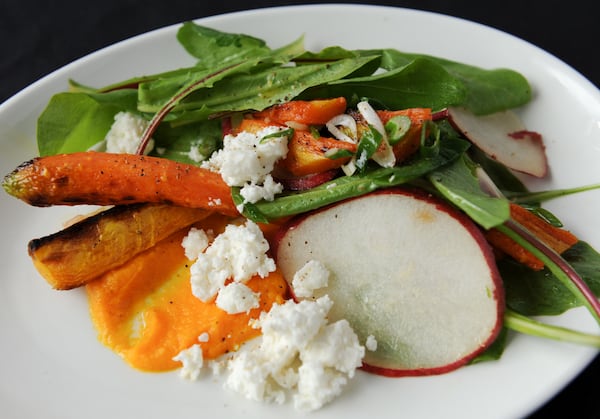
x: 48, y: 79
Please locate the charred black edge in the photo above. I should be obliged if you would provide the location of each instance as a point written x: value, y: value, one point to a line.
x: 10, y: 182
x: 81, y: 228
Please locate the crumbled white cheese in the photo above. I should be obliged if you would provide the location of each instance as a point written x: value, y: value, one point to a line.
x: 253, y: 193
x: 240, y: 252
x: 298, y: 351
x: 195, y: 155
x: 298, y: 354
x: 246, y: 160
x: 125, y: 134
x: 194, y: 243
x: 192, y: 361
x: 371, y: 343
x: 249, y: 375
x: 204, y: 337
x: 317, y: 386
x: 312, y: 276
x: 236, y: 297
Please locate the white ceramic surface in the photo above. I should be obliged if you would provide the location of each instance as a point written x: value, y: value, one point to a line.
x: 51, y: 364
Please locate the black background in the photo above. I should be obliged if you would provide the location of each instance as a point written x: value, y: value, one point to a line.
x: 37, y: 37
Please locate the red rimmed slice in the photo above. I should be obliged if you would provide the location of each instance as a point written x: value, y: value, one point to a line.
x: 407, y: 269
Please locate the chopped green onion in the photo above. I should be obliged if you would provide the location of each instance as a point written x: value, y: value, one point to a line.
x: 397, y: 127
x: 283, y: 133
x: 336, y: 153
x: 367, y: 146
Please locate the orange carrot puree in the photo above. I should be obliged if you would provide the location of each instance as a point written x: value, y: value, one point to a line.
x: 145, y: 310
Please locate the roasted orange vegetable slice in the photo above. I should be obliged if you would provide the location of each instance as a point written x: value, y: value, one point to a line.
x: 312, y: 112
x: 306, y: 154
x: 412, y: 139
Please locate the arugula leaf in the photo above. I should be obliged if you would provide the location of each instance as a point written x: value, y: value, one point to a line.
x: 76, y: 121
x: 259, y: 90
x: 538, y: 293
x: 214, y: 48
x: 502, y: 177
x: 420, y: 83
x: 487, y: 91
x: 156, y: 94
x: 335, y: 53
x: 179, y: 142
x: 458, y: 184
x: 494, y: 351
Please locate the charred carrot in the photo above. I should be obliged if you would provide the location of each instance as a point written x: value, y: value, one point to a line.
x: 86, y: 249
x: 97, y: 178
x: 556, y: 238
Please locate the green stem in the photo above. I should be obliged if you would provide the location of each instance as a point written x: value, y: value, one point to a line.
x: 541, y: 196
x: 526, y: 325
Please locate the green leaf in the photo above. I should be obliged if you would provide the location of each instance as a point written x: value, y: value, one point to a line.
x: 537, y: 293
x: 76, y: 121
x: 502, y: 177
x: 486, y: 91
x: 177, y: 142
x: 335, y: 53
x: 420, y: 83
x: 257, y: 91
x: 494, y: 351
x: 156, y: 94
x: 214, y: 48
x: 458, y: 184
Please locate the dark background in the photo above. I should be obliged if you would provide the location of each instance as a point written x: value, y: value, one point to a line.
x: 37, y: 37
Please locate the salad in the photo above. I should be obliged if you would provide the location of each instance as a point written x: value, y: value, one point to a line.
x: 383, y: 119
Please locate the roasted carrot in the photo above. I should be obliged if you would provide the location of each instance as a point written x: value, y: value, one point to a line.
x: 418, y: 116
x: 252, y: 125
x: 412, y: 139
x: 86, y: 249
x: 556, y: 238
x: 97, y: 178
x: 306, y: 154
x: 312, y: 112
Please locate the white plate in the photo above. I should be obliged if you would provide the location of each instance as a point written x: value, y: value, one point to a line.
x: 50, y: 361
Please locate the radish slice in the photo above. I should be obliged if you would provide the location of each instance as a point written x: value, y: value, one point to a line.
x: 503, y: 137
x: 407, y: 269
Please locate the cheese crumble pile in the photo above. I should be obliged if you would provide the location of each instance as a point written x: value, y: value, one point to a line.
x: 298, y: 353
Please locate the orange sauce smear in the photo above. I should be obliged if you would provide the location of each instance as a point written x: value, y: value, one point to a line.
x: 145, y: 310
